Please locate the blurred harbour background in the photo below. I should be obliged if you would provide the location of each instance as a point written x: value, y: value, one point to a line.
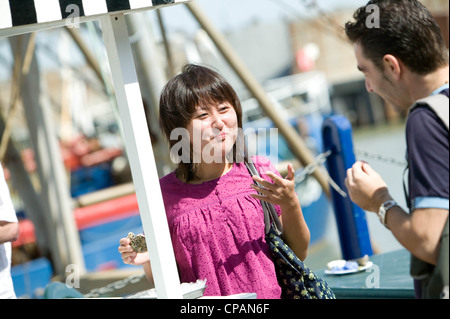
x: 383, y: 147
x: 276, y: 40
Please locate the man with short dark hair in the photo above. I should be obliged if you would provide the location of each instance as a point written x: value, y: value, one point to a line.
x: 404, y: 59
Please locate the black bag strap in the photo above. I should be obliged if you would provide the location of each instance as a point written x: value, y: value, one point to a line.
x: 270, y: 214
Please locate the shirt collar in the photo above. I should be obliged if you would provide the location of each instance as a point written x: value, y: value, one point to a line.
x: 440, y: 89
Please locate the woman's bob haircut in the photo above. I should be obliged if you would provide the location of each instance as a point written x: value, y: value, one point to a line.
x: 195, y: 86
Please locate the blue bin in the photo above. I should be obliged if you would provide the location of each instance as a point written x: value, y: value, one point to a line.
x: 31, y: 278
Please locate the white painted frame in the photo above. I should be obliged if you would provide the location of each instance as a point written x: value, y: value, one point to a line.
x: 137, y: 139
x: 140, y: 154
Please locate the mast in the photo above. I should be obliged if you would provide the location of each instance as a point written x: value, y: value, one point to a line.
x: 63, y: 235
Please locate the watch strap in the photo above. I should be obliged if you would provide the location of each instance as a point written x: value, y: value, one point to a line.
x: 384, y: 209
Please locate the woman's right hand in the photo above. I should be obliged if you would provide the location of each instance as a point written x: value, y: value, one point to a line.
x: 129, y: 256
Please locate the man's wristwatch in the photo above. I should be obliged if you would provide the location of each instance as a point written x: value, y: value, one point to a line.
x: 383, y: 210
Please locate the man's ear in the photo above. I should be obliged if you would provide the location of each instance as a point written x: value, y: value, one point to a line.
x: 392, y: 66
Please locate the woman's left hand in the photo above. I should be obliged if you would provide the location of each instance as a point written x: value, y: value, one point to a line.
x: 280, y: 192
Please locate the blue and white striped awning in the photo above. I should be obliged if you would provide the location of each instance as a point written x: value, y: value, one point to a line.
x: 28, y: 14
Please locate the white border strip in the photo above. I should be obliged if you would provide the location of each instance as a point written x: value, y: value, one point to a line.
x: 138, y: 4
x: 94, y: 7
x: 5, y: 14
x: 47, y: 10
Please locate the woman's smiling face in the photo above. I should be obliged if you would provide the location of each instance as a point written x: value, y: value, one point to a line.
x: 213, y: 130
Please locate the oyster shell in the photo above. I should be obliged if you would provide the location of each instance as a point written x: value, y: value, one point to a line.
x: 137, y: 242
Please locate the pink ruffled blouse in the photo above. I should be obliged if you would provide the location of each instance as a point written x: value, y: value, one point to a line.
x: 217, y: 232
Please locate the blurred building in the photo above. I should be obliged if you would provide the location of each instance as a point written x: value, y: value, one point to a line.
x: 336, y: 59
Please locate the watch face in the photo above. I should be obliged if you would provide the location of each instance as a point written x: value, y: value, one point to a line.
x: 383, y: 209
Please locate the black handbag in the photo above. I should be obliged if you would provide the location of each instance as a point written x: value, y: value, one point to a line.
x: 296, y: 280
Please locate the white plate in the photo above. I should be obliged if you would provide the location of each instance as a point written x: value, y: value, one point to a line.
x: 349, y: 271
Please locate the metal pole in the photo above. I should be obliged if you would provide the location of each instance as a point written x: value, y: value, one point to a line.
x: 63, y: 234
x: 350, y: 219
x: 31, y: 199
x: 170, y: 63
x: 90, y: 58
x: 295, y: 142
x: 152, y: 80
x: 141, y: 157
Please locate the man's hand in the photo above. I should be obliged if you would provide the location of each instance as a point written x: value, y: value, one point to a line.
x: 366, y: 187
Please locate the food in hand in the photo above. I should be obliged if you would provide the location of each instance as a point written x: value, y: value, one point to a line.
x: 137, y: 242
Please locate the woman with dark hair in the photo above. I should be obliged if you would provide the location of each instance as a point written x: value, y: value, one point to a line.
x: 213, y: 209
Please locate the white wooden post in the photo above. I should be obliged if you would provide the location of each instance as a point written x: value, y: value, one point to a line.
x: 141, y: 157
